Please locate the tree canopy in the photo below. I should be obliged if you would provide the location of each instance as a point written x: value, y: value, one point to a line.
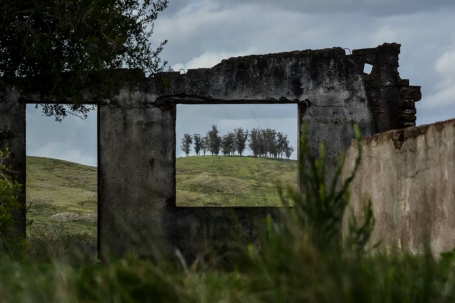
x: 262, y: 142
x: 58, y: 50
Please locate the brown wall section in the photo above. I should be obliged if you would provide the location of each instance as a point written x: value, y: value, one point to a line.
x: 409, y: 176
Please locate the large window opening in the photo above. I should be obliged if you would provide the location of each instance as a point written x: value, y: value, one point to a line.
x: 233, y: 155
x: 61, y: 176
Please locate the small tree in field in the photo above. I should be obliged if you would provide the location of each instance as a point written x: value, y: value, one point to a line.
x: 240, y: 139
x: 185, y: 145
x: 214, y: 140
x: 197, y: 143
x: 228, y: 144
x: 255, y: 141
x: 288, y: 151
x: 205, y: 144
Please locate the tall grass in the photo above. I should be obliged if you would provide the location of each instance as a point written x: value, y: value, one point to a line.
x: 300, y: 258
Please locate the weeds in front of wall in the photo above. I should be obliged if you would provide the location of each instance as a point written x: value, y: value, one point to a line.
x: 58, y: 242
x: 301, y: 258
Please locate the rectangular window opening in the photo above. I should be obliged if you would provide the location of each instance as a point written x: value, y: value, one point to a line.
x: 214, y: 168
x: 62, y: 179
x: 367, y: 68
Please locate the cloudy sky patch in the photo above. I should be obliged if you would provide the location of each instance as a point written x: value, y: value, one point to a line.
x: 203, y: 32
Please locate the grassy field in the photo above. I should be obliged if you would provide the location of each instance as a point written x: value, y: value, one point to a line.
x: 62, y: 191
x: 302, y: 258
x: 231, y: 181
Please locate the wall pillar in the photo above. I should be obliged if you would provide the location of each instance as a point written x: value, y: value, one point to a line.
x: 136, y: 174
x: 12, y: 136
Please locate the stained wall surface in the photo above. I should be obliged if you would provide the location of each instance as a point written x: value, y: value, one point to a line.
x: 12, y: 136
x: 409, y: 176
x: 136, y: 152
x: 137, y: 139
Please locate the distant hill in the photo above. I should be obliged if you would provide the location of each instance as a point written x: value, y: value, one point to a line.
x: 63, y: 192
x: 231, y: 181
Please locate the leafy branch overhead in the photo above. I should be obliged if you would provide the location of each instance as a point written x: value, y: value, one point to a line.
x: 58, y: 50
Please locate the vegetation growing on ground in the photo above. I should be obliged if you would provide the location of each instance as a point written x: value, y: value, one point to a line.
x: 232, y: 181
x: 9, y: 195
x: 61, y: 191
x: 302, y: 258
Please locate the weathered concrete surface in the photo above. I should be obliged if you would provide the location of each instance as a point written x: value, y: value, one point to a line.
x: 391, y: 99
x: 136, y: 173
x: 137, y: 135
x: 12, y: 136
x: 137, y: 139
x: 409, y: 176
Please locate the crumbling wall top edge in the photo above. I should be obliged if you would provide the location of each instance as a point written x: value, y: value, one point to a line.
x: 405, y: 133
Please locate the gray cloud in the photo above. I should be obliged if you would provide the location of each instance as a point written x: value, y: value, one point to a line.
x: 72, y: 139
x: 202, y: 33
x: 368, y: 7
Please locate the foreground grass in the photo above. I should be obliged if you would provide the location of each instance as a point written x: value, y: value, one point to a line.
x: 301, y: 259
x: 297, y: 273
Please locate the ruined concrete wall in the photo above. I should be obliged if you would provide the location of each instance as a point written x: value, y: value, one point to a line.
x: 409, y: 176
x: 12, y: 136
x: 136, y: 172
x: 391, y: 99
x: 137, y: 135
x: 137, y: 140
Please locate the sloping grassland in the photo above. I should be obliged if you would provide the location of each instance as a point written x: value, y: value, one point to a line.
x: 65, y: 193
x: 232, y: 181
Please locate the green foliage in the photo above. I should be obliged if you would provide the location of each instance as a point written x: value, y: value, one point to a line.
x: 198, y: 142
x: 241, y: 136
x: 9, y: 195
x: 320, y: 209
x: 58, y: 50
x: 228, y: 144
x: 214, y: 141
x: 186, y: 142
x: 299, y: 258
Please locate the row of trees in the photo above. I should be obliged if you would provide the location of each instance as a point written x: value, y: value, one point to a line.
x: 262, y: 142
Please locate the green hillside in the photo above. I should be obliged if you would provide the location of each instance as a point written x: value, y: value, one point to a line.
x: 231, y: 181
x: 63, y: 192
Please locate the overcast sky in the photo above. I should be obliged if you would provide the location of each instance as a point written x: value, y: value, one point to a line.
x: 203, y: 32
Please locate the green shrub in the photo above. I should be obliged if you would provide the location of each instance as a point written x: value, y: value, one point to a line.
x: 10, y: 190
x: 300, y: 258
